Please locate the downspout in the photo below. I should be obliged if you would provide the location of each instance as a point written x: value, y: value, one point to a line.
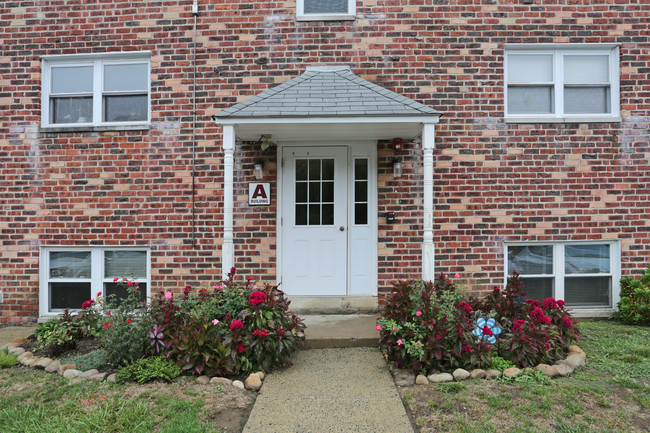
x: 195, y: 12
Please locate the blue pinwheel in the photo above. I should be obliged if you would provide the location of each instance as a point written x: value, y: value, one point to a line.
x: 486, y: 330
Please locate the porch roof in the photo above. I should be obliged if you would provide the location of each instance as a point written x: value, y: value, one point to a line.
x: 325, y: 96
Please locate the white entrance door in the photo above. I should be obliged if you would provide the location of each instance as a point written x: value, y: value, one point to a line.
x: 314, y: 221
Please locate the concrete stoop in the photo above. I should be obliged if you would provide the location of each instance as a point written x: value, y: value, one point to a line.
x: 340, y: 330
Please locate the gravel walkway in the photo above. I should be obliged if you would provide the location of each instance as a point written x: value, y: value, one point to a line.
x: 330, y: 390
x: 9, y: 332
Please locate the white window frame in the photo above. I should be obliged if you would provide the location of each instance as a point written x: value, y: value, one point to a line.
x: 558, y: 51
x: 302, y: 16
x: 559, y: 271
x: 96, y: 280
x: 97, y: 61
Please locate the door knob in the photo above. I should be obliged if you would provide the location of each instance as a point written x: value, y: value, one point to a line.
x: 341, y: 228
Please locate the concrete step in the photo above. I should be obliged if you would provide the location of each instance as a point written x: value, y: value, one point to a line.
x: 340, y: 330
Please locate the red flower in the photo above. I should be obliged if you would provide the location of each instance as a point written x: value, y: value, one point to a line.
x: 99, y: 294
x: 487, y: 331
x: 233, y: 271
x: 560, y: 303
x: 115, y: 280
x: 496, y: 290
x: 108, y: 314
x: 550, y: 304
x: 87, y: 304
x: 128, y: 320
x: 236, y: 324
x: 465, y: 306
x: 467, y: 349
x: 438, y: 336
x: 261, y: 333
x: 106, y: 325
x: 281, y: 331
x: 532, y: 302
x: 568, y: 324
x: 240, y: 348
x: 545, y: 320
x: 257, y: 298
x: 517, y: 325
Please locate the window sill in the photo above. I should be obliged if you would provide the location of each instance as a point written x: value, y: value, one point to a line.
x: 332, y: 17
x: 591, y: 312
x: 92, y: 128
x: 587, y: 119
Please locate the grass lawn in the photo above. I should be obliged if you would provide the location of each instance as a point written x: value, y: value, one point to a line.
x: 38, y: 402
x: 612, y: 394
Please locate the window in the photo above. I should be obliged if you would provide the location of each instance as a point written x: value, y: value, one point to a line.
x: 325, y: 10
x: 561, y: 82
x: 582, y: 274
x: 70, y: 276
x: 95, y: 90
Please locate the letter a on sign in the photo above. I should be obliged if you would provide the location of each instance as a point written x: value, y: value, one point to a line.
x: 259, y: 194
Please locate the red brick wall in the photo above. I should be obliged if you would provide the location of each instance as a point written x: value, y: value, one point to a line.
x: 494, y: 182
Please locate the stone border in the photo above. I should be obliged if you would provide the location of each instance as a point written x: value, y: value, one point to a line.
x: 575, y: 359
x: 253, y: 382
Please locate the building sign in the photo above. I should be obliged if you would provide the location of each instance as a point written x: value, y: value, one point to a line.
x: 259, y: 194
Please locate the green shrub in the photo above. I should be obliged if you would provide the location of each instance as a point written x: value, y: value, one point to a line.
x: 95, y: 359
x: 147, y: 369
x: 634, y: 306
x: 60, y: 334
x: 7, y: 360
x: 500, y: 364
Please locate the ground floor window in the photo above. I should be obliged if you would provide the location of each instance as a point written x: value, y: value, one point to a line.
x: 70, y: 276
x: 582, y: 274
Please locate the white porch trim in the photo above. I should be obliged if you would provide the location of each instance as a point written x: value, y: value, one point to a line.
x: 228, y: 247
x: 428, y: 250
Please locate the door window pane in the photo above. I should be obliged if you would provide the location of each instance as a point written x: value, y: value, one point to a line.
x: 530, y: 100
x: 360, y: 191
x: 360, y: 213
x: 68, y: 295
x: 328, y: 169
x: 526, y: 68
x: 585, y: 100
x: 301, y: 192
x: 301, y: 169
x: 314, y: 214
x: 586, y: 259
x: 328, y: 192
x: 314, y: 192
x: 130, y: 264
x: 70, y: 264
x: 530, y: 259
x: 314, y: 169
x: 72, y: 79
x: 328, y: 214
x: 71, y: 110
x: 301, y: 214
x: 126, y: 77
x: 360, y: 169
x: 587, y: 291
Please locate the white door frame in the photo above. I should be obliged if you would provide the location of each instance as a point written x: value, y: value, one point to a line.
x: 355, y: 149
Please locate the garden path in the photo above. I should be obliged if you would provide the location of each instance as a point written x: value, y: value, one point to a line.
x: 330, y: 390
x: 7, y: 333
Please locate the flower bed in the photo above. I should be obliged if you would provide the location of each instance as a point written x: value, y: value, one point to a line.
x: 231, y: 329
x: 427, y: 327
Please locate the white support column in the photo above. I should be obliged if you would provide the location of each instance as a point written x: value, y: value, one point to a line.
x: 228, y: 247
x: 428, y: 251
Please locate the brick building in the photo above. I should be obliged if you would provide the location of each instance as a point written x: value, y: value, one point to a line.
x: 335, y: 146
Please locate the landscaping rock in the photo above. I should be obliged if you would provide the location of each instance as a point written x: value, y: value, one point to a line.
x: 99, y: 377
x: 42, y: 363
x: 477, y: 374
x: 564, y: 369
x: 575, y: 360
x: 77, y: 380
x: 511, y: 372
x: 238, y: 384
x: 261, y: 374
x: 221, y: 381
x: 575, y: 350
x: 528, y: 370
x: 404, y: 377
x: 112, y: 377
x: 16, y: 351
x: 203, y: 380
x: 63, y: 367
x: 460, y: 374
x: 440, y: 378
x: 421, y: 379
x: 19, y: 341
x: 27, y: 362
x: 253, y: 382
x: 548, y: 370
x: 89, y: 373
x: 71, y: 374
x: 53, y: 367
x: 24, y: 356
x: 8, y: 346
x: 492, y: 374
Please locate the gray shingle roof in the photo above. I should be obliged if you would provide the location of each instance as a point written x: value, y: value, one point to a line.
x: 327, y: 91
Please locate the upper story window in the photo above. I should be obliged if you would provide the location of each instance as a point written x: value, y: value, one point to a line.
x: 325, y: 10
x: 96, y: 90
x: 562, y: 83
x: 582, y: 274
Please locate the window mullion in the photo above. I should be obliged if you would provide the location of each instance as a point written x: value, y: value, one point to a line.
x: 558, y: 69
x: 97, y: 92
x: 97, y: 272
x: 558, y: 267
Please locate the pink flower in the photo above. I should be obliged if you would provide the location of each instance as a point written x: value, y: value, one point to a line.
x: 168, y: 295
x: 236, y: 324
x: 457, y: 276
x: 418, y: 313
x: 378, y: 328
x: 399, y: 342
x: 446, y: 276
x: 137, y: 287
x: 394, y: 328
x: 215, y: 322
x: 115, y: 280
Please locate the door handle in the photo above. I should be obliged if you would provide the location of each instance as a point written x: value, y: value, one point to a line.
x: 342, y: 228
